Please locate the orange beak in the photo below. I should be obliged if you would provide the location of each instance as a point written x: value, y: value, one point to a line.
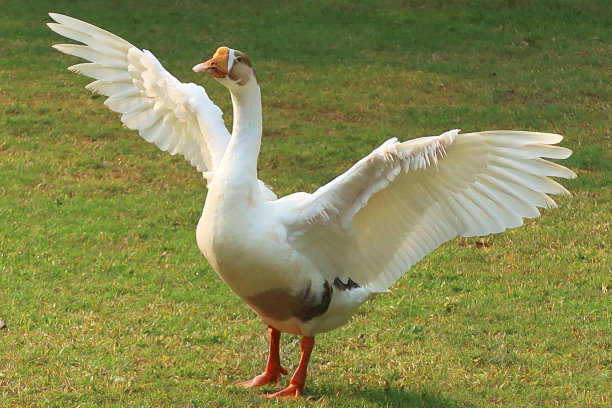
x: 217, y: 65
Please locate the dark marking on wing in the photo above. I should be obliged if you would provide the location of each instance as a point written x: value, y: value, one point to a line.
x: 311, y: 310
x: 280, y: 304
x: 350, y: 284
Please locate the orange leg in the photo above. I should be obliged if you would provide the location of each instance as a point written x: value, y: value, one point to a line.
x: 273, y: 369
x: 296, y: 385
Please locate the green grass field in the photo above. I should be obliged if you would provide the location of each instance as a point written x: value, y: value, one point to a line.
x: 108, y: 302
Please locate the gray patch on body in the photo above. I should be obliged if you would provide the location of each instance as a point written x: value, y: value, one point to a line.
x: 280, y: 304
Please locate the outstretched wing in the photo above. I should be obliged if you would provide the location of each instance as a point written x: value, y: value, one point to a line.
x: 405, y: 199
x: 177, y: 117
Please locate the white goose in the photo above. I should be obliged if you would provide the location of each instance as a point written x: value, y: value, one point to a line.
x: 305, y: 262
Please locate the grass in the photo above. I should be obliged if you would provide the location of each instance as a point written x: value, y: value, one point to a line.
x: 108, y: 302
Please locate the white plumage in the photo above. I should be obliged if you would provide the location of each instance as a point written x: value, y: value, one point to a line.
x: 305, y: 262
x: 405, y: 199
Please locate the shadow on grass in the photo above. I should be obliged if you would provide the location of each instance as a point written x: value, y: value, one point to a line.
x: 404, y: 397
x: 393, y: 397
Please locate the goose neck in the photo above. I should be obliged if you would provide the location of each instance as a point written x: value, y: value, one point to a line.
x: 240, y: 159
x: 247, y: 113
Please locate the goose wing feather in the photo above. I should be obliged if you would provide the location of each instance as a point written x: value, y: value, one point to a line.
x: 177, y: 117
x: 403, y: 200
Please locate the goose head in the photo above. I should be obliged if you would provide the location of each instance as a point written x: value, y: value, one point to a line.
x: 232, y: 68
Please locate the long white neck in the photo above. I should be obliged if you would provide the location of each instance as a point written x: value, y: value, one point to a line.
x: 247, y: 128
x: 240, y: 159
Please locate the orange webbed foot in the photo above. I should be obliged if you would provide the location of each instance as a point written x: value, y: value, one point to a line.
x: 296, y: 384
x: 292, y: 391
x: 264, y: 378
x: 273, y: 370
